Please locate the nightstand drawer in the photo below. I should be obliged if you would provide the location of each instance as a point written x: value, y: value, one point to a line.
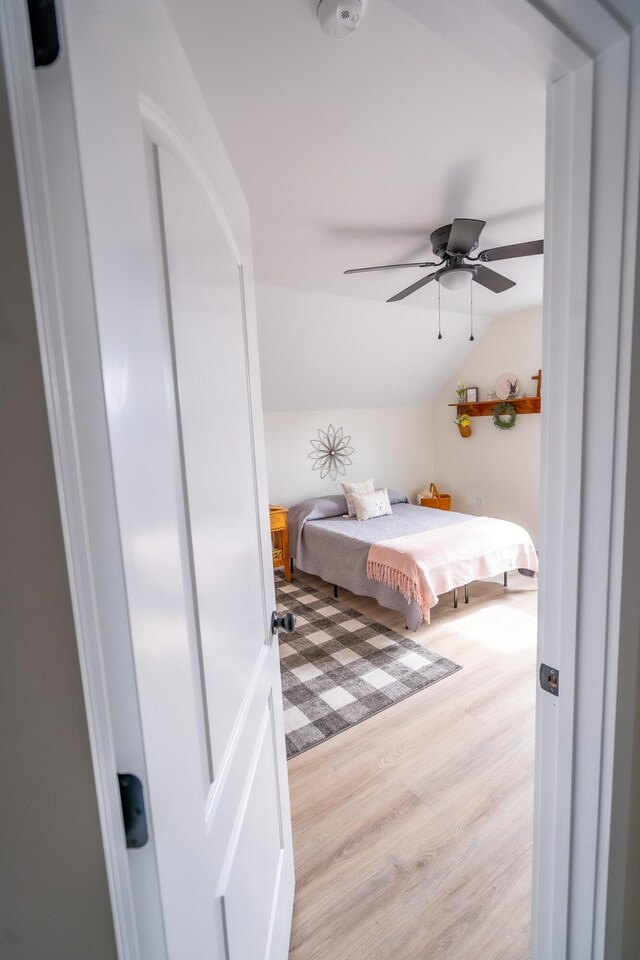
x: 277, y: 520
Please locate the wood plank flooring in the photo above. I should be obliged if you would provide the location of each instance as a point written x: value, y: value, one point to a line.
x: 413, y: 829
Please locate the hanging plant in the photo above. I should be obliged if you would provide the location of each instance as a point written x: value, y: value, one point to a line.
x: 504, y: 416
x: 464, y: 424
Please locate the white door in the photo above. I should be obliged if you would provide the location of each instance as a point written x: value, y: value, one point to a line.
x: 170, y: 256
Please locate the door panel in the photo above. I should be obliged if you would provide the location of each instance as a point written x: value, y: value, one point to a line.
x: 257, y: 829
x: 208, y: 335
x: 168, y: 240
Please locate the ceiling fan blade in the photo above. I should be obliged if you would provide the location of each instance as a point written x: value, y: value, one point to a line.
x: 529, y: 249
x: 412, y: 289
x: 492, y: 280
x: 389, y: 266
x: 464, y: 236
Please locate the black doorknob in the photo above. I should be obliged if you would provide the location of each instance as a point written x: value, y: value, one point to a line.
x: 286, y: 622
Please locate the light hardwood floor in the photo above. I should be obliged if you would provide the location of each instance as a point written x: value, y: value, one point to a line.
x: 413, y: 829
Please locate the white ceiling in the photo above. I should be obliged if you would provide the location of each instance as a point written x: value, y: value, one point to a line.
x: 351, y: 152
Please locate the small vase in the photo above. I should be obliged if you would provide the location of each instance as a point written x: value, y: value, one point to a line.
x: 465, y: 430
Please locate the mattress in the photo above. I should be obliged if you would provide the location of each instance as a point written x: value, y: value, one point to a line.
x: 336, y: 548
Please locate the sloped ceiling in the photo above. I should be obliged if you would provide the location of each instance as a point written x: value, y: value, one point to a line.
x: 319, y: 351
x: 351, y: 152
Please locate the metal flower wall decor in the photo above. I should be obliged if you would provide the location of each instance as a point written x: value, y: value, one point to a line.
x: 331, y: 452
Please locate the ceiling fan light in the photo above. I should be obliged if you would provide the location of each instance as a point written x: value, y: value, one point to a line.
x: 456, y: 279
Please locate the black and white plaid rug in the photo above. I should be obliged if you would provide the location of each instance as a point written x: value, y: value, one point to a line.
x: 339, y: 668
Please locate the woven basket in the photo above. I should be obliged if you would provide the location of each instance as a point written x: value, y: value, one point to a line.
x: 437, y: 500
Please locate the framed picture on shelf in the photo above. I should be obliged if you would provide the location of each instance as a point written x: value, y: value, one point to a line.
x: 471, y: 395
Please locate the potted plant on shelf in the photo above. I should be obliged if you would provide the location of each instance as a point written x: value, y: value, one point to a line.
x: 464, y: 424
x: 461, y: 390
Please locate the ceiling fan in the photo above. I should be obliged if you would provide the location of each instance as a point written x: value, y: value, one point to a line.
x: 453, y: 243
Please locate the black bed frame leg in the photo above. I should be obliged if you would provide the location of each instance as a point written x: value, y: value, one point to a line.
x: 466, y: 593
x: 335, y: 592
x: 455, y: 598
x: 505, y: 578
x: 291, y: 566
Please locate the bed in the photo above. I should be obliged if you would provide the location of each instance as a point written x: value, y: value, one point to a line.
x: 378, y: 557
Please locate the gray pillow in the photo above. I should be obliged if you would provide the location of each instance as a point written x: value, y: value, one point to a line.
x: 319, y: 508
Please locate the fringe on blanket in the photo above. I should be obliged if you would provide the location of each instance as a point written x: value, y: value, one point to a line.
x: 398, y: 581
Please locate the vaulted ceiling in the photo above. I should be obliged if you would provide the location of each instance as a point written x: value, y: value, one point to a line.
x: 351, y: 152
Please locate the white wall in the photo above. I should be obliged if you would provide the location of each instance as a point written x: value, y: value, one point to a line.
x: 394, y: 446
x: 501, y: 466
x: 306, y: 362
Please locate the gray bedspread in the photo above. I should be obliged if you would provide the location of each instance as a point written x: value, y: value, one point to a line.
x: 329, y: 545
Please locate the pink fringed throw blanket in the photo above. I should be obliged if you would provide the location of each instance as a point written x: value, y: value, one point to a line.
x: 422, y: 566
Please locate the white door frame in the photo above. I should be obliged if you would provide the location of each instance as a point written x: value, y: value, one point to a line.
x: 81, y: 496
x: 592, y: 202
x: 589, y: 54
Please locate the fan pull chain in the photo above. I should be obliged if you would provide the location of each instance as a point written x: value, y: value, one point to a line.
x: 439, y: 331
x: 471, y: 311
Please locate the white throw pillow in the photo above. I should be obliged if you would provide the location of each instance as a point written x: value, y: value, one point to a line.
x: 356, y: 489
x: 370, y: 505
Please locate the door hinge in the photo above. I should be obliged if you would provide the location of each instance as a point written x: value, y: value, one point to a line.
x: 549, y: 679
x: 133, y: 812
x: 44, y: 32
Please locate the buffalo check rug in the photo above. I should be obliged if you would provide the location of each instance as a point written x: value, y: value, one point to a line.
x: 339, y: 668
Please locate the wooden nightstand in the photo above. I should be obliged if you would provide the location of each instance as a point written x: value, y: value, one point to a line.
x: 280, y: 539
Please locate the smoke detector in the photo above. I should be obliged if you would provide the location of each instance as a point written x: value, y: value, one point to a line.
x: 339, y: 18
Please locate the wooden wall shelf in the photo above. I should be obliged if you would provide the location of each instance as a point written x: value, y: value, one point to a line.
x: 484, y: 408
